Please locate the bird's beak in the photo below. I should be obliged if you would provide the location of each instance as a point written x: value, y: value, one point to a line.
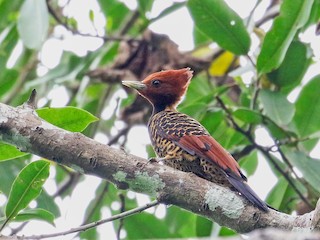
x: 134, y: 84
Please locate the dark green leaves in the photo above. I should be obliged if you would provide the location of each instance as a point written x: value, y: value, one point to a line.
x: 247, y: 115
x: 306, y: 118
x: 215, y: 19
x: 36, y: 213
x: 69, y: 118
x: 26, y: 187
x: 277, y: 107
x: 276, y: 196
x: 308, y: 166
x: 293, y: 15
x: 293, y: 67
x: 8, y: 152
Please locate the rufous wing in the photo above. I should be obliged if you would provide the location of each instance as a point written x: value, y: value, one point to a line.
x: 207, y: 147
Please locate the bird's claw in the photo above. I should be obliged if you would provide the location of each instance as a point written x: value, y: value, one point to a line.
x: 154, y: 160
x: 150, y: 161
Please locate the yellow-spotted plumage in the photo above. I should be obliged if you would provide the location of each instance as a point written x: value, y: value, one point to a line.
x: 182, y: 142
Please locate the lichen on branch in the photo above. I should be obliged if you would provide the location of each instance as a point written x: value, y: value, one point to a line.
x: 23, y: 128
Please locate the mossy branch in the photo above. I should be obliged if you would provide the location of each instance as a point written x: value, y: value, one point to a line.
x: 22, y: 127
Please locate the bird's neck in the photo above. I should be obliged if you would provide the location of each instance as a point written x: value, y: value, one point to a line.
x: 159, y: 108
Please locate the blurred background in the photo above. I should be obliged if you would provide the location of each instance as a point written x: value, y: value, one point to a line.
x: 259, y: 58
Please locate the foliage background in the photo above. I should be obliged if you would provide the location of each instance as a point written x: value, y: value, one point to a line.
x: 254, y: 74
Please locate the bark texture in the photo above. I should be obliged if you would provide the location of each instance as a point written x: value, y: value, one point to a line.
x: 23, y: 128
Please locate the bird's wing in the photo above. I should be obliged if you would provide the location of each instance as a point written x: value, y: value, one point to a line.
x: 197, y: 141
x: 207, y: 147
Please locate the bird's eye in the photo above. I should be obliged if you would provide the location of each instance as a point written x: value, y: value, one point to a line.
x: 156, y: 83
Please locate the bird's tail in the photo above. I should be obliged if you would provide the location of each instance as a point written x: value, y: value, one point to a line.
x: 245, y: 190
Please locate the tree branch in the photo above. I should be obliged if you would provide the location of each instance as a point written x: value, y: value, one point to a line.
x: 23, y: 128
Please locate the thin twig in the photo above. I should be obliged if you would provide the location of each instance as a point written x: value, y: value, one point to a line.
x: 286, y: 176
x: 32, y: 99
x: 97, y: 201
x: 74, y: 31
x: 95, y: 224
x: 23, y: 75
x: 121, y: 133
x: 18, y: 229
x: 122, y: 209
x: 102, y: 100
x: 255, y: 94
x: 74, y: 178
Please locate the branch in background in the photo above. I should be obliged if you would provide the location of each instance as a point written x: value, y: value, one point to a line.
x: 98, y: 200
x: 95, y: 204
x: 14, y: 231
x: 74, y: 31
x: 73, y: 179
x: 23, y: 128
x: 23, y: 74
x: 95, y: 224
x: 121, y: 133
x: 122, y: 209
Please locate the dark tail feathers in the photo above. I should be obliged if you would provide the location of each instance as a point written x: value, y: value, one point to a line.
x: 247, y: 192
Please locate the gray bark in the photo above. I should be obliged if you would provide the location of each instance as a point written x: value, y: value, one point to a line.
x: 22, y: 128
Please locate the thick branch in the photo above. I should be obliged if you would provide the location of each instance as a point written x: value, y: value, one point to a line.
x: 22, y: 128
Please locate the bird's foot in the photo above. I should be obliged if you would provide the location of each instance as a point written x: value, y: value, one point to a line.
x: 151, y: 161
x: 155, y: 160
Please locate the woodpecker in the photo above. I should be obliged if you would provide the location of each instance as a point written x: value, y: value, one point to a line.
x: 182, y: 142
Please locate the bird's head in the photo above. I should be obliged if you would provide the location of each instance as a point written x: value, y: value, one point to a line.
x: 163, y: 89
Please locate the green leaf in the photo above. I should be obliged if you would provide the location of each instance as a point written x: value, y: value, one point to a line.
x: 8, y: 152
x: 217, y: 20
x: 247, y: 115
x: 308, y: 166
x: 37, y: 213
x: 199, y: 38
x: 175, y: 6
x: 8, y: 172
x: 93, y: 211
x: 293, y: 67
x: 10, y: 39
x: 314, y: 14
x: 91, y: 15
x: 33, y: 23
x: 293, y: 15
x: 133, y: 227
x: 115, y: 13
x: 45, y: 201
x: 203, y: 227
x: 69, y: 118
x: 8, y: 9
x: 249, y: 163
x: 224, y: 231
x: 276, y: 196
x: 8, y: 78
x: 26, y: 187
x: 307, y: 115
x: 277, y: 106
x: 197, y: 89
x: 276, y: 131
x: 181, y: 224
x: 196, y: 110
x: 144, y: 5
